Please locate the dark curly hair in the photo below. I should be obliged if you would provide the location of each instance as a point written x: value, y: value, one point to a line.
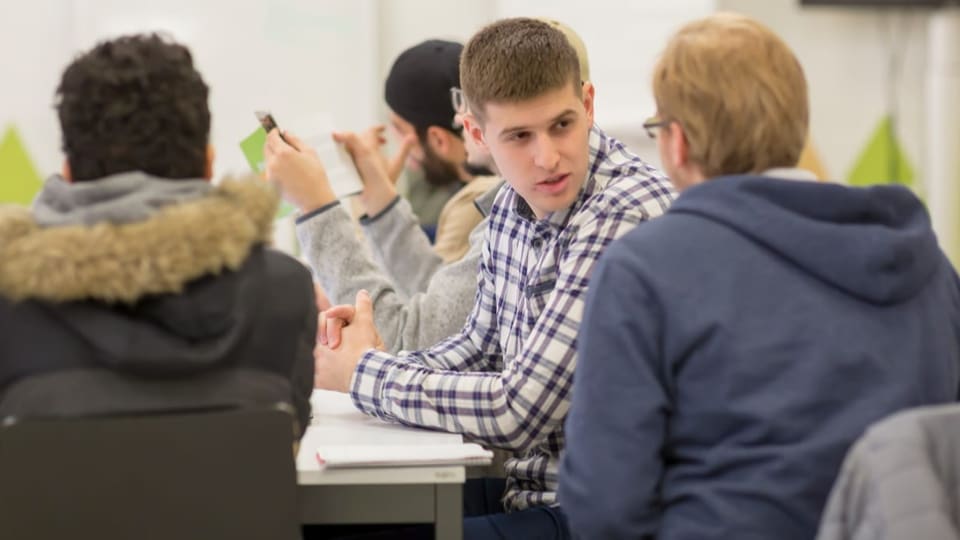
x: 134, y: 103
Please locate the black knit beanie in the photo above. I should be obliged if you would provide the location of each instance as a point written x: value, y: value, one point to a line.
x: 418, y: 86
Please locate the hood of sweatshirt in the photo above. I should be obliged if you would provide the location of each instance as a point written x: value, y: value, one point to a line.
x: 874, y: 243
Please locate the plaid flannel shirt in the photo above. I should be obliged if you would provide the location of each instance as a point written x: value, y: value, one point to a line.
x: 505, y: 379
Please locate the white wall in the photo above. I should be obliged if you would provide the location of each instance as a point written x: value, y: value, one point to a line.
x: 405, y: 23
x: 301, y: 57
x: 943, y: 129
x: 31, y: 71
x: 304, y: 57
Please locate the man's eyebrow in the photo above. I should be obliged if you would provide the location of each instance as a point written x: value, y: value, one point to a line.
x: 514, y: 129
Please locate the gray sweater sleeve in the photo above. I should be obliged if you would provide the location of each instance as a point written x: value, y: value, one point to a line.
x: 342, y: 267
x: 402, y: 248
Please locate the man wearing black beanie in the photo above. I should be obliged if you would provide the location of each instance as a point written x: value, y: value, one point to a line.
x: 417, y: 92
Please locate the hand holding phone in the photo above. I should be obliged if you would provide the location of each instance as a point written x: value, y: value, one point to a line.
x: 338, y: 166
x: 268, y: 123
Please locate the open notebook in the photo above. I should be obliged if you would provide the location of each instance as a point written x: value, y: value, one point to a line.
x: 400, y: 455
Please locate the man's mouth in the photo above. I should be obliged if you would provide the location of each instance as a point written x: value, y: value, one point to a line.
x: 553, y: 185
x: 555, y: 179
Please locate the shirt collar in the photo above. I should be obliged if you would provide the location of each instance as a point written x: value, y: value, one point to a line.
x: 790, y: 173
x: 484, y: 203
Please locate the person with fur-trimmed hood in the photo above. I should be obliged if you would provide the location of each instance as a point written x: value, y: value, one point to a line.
x: 133, y: 284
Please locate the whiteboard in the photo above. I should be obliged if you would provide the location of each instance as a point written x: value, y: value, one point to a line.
x: 299, y: 58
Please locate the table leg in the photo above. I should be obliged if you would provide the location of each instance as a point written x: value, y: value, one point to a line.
x: 449, y: 512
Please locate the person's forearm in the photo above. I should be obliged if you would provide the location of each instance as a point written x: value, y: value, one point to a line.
x: 401, y: 247
x: 343, y: 267
x: 377, y: 197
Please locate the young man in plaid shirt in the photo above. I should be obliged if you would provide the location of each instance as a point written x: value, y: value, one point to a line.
x: 505, y: 379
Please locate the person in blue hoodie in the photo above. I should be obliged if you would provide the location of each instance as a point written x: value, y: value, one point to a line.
x: 734, y: 348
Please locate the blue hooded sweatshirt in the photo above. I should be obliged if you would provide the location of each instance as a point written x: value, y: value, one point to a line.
x: 733, y: 349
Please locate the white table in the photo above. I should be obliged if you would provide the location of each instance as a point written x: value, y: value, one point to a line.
x: 381, y: 494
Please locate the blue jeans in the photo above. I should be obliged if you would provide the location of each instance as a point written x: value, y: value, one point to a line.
x: 484, y: 518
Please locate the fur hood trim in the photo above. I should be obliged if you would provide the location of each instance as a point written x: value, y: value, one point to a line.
x: 123, y: 263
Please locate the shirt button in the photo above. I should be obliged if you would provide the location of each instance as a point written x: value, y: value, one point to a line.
x: 536, y: 243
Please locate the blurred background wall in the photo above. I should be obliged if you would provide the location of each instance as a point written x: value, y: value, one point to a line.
x: 884, y: 90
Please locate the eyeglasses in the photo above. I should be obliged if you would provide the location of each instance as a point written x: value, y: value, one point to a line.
x: 654, y: 123
x: 459, y: 104
x: 457, y: 101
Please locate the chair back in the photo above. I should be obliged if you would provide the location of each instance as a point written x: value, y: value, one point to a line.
x: 210, y: 474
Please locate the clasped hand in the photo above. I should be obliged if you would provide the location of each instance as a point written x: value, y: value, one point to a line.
x: 345, y: 333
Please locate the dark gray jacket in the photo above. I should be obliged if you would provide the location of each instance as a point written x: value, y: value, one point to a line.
x: 181, y: 310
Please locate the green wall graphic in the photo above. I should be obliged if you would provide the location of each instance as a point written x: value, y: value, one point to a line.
x: 883, y: 160
x: 252, y: 148
x: 19, y: 180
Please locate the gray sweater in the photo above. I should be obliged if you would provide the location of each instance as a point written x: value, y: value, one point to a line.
x: 424, y: 302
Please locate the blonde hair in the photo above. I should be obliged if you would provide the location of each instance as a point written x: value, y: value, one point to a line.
x: 738, y: 92
x: 514, y: 60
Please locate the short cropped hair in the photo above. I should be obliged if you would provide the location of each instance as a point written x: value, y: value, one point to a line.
x: 739, y: 93
x: 576, y: 42
x: 513, y: 60
x: 134, y: 103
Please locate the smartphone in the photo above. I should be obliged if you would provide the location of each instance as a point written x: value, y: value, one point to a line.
x: 268, y: 123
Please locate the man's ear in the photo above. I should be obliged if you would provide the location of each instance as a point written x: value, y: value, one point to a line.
x: 66, y: 172
x: 473, y: 129
x: 677, y: 145
x: 677, y: 148
x: 588, y: 92
x: 439, y: 140
x: 208, y: 166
